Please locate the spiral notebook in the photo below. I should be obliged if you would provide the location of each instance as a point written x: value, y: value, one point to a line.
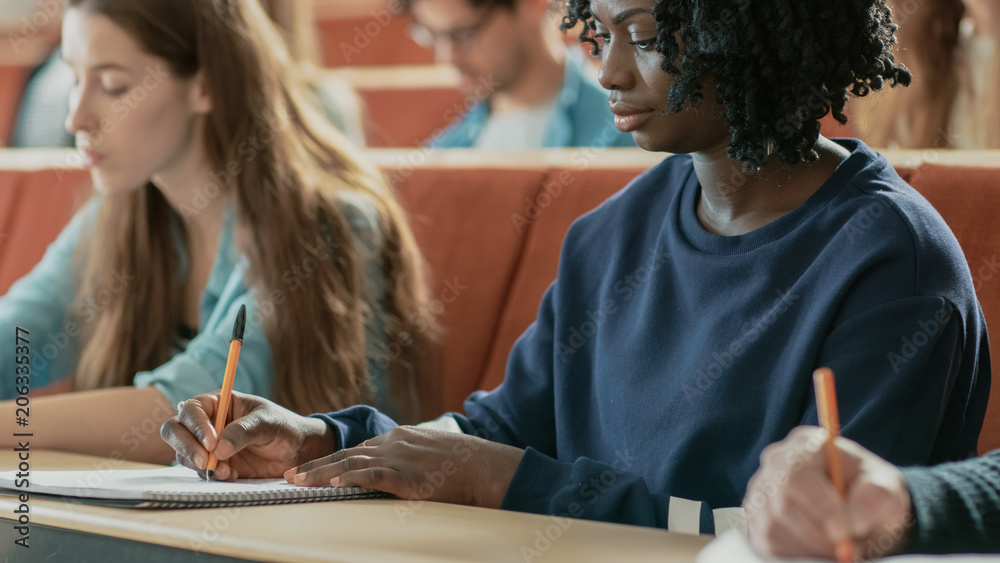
x: 170, y: 487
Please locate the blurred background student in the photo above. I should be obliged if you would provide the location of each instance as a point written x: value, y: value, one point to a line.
x: 221, y: 186
x: 950, y: 46
x: 525, y: 89
x: 44, y: 104
x: 977, y: 109
x: 531, y: 91
x: 41, y: 114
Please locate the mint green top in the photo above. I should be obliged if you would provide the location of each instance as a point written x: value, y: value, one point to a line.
x: 41, y: 301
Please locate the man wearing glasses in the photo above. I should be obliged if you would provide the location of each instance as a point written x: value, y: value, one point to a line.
x: 523, y: 89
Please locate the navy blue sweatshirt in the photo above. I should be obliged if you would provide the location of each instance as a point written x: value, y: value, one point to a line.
x: 665, y: 358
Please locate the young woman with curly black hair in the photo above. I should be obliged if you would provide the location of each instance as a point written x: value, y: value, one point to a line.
x: 691, y: 308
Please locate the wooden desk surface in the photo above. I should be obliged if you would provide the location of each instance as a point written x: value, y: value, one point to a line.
x: 347, y: 531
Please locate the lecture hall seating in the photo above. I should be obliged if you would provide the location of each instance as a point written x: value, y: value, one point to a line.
x: 364, y: 43
x: 515, y: 209
x: 12, y: 81
x: 403, y: 106
x: 19, y: 54
x: 374, y: 33
x: 366, y: 33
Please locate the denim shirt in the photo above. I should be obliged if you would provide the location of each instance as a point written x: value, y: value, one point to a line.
x: 41, y: 301
x: 580, y: 117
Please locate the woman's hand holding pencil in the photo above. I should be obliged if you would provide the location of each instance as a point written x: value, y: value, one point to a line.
x: 794, y: 510
x: 265, y: 440
x: 262, y: 440
x: 225, y: 396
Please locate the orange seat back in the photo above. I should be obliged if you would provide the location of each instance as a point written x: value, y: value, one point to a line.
x: 369, y: 41
x: 969, y: 200
x: 12, y: 81
x: 34, y: 208
x: 394, y: 121
x: 462, y: 221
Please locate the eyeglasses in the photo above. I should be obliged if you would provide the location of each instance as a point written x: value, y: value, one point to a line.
x: 463, y: 38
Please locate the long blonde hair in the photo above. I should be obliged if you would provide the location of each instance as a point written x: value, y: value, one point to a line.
x: 294, y: 20
x: 287, y: 197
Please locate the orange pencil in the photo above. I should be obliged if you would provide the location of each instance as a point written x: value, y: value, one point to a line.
x: 227, y: 385
x: 826, y: 404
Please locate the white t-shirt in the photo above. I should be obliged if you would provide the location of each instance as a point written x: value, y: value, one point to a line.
x: 516, y: 130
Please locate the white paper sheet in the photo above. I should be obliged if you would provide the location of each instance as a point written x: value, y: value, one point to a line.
x: 733, y: 547
x: 134, y: 484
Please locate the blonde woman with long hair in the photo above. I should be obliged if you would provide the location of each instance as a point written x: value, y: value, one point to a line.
x: 218, y: 184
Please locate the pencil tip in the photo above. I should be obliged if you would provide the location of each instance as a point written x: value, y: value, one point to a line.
x: 209, y: 475
x: 241, y: 322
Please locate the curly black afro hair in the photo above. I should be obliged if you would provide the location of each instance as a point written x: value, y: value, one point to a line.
x: 779, y: 66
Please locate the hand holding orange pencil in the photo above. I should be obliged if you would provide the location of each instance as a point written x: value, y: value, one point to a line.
x: 829, y: 418
x: 227, y: 385
x: 792, y: 505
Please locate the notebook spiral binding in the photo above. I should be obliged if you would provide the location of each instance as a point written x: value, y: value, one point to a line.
x: 288, y: 496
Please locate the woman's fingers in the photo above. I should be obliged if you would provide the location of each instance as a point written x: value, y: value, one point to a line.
x: 249, y: 430
x: 322, y: 475
x: 808, y: 514
x: 378, y: 478
x: 192, y: 434
x: 365, y: 448
x: 320, y: 471
x: 196, y: 415
x: 326, y: 461
x: 795, y: 518
x: 191, y: 451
